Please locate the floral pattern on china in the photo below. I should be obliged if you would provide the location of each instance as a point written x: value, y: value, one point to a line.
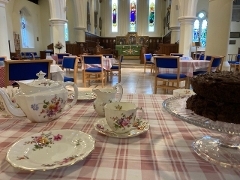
x: 50, y: 149
x: 40, y: 100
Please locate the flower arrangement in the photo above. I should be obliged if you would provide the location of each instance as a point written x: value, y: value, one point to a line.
x: 59, y: 46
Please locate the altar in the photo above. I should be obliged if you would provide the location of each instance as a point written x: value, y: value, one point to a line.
x: 130, y: 45
x: 128, y: 50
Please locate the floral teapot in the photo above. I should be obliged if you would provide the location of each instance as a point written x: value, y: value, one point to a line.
x: 41, y: 100
x: 106, y: 95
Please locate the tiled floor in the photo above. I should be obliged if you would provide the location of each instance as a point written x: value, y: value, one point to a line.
x: 133, y: 80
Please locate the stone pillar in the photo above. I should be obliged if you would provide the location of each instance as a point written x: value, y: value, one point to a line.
x: 174, y: 23
x: 4, y: 47
x: 80, y: 19
x: 58, y: 35
x: 187, y: 16
x: 58, y: 20
x: 219, y: 28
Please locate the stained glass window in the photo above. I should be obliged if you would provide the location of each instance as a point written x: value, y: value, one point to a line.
x: 133, y: 15
x: 151, y: 18
x: 114, y: 15
x: 24, y: 32
x: 66, y: 31
x: 200, y: 29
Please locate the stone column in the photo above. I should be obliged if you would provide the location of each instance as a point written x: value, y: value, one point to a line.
x: 174, y: 23
x: 4, y: 47
x: 187, y: 16
x: 80, y: 19
x: 58, y: 20
x: 219, y: 28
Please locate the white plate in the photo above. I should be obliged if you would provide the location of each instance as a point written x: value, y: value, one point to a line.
x: 102, y: 127
x: 83, y: 95
x: 50, y: 150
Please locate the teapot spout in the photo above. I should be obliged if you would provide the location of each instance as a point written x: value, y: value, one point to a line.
x: 9, y: 106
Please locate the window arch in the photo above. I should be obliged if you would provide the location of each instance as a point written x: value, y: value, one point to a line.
x: 26, y: 29
x: 200, y: 28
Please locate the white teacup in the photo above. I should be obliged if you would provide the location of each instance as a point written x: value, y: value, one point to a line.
x: 121, y: 116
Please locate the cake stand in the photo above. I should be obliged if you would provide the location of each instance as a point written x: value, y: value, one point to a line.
x: 223, y: 150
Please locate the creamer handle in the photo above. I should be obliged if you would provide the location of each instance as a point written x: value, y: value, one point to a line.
x: 119, y: 93
x: 69, y: 105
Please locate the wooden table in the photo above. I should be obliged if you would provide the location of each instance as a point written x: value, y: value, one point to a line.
x: 164, y: 152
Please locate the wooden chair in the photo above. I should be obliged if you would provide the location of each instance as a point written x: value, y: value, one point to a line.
x: 168, y: 80
x: 93, y: 69
x: 2, y: 59
x: 216, y: 62
x: 232, y: 60
x: 148, y: 62
x: 60, y: 57
x: 16, y: 70
x: 70, y: 62
x: 117, y: 69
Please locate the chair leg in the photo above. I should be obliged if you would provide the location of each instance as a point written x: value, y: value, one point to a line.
x: 144, y: 68
x: 155, y: 86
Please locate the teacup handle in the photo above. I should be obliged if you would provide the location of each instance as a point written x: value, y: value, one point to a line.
x: 75, y: 95
x: 119, y: 89
x: 141, y: 116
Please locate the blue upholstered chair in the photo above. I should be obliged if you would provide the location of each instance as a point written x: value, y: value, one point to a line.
x: 60, y: 57
x: 16, y: 70
x: 233, y: 60
x: 23, y: 56
x: 93, y: 69
x: 216, y: 62
x: 168, y: 80
x: 202, y: 57
x: 116, y: 68
x: 2, y: 59
x: 36, y: 55
x: 148, y: 62
x: 70, y: 62
x: 176, y: 54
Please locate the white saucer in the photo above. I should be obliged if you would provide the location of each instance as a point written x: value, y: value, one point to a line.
x: 83, y: 95
x: 102, y: 127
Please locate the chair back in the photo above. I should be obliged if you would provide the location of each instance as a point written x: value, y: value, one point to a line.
x: 216, y: 62
x: 92, y: 59
x: 166, y: 61
x: 208, y: 58
x: 71, y: 62
x: 16, y: 70
x: 202, y: 56
x: 147, y: 57
x: 176, y: 54
x: 2, y: 59
x: 60, y: 57
x: 238, y: 57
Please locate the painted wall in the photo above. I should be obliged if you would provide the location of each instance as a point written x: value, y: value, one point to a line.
x: 34, y: 11
x: 42, y: 27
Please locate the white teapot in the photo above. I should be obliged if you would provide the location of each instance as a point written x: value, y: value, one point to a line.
x: 41, y: 100
x: 106, y: 95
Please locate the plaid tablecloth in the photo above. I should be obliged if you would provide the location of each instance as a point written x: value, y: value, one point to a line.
x: 107, y: 63
x: 164, y: 152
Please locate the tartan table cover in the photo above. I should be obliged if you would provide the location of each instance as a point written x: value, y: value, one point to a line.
x: 164, y: 152
x: 106, y: 62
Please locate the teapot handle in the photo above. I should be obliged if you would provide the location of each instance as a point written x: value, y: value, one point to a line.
x: 119, y: 89
x: 75, y: 95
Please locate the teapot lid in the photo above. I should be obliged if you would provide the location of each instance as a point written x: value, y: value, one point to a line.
x: 41, y: 82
